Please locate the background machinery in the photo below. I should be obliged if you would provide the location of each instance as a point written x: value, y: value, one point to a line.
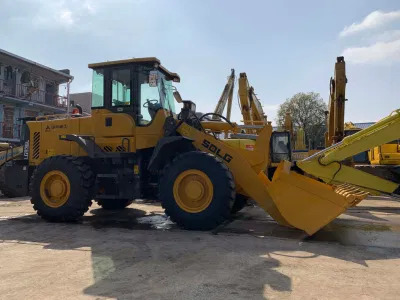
x: 225, y: 99
x: 382, y: 160
x: 250, y: 106
x: 9, y: 158
x: 335, y: 115
x: 255, y: 119
x: 134, y: 139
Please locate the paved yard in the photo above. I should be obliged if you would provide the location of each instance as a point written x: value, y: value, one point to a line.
x: 138, y: 254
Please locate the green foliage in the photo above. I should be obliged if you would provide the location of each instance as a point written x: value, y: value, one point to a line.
x: 308, y: 112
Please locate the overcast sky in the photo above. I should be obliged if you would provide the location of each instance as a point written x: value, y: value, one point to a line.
x: 285, y: 47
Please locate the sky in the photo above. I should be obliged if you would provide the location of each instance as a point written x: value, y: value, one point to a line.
x: 285, y: 47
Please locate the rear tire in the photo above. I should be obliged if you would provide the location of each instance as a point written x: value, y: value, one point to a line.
x: 62, y: 188
x: 204, y: 176
x: 114, y: 204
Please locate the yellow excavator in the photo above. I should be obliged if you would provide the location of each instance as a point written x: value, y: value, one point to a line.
x: 382, y: 160
x: 255, y: 120
x: 225, y: 99
x: 250, y: 106
x: 135, y: 139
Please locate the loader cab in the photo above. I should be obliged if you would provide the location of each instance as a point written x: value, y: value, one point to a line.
x: 138, y: 87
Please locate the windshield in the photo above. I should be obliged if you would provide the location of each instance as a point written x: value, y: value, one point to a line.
x: 154, y: 97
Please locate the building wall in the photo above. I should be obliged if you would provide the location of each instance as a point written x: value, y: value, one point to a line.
x: 83, y: 99
x: 19, y: 99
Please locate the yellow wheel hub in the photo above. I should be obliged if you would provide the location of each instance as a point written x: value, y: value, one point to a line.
x: 55, y: 189
x: 193, y: 191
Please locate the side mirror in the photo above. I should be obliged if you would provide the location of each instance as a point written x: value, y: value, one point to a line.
x: 153, y: 76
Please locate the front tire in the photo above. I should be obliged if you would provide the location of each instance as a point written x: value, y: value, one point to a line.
x: 62, y: 188
x: 197, y: 191
x: 240, y: 203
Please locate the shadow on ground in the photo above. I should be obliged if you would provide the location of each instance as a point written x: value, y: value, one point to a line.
x: 129, y: 261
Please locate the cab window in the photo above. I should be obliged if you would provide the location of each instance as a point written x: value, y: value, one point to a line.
x: 121, y: 87
x: 98, y: 88
x: 150, y: 102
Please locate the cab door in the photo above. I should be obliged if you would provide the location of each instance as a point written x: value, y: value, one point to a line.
x: 116, y: 116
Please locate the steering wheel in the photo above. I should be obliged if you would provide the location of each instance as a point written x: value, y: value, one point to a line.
x: 150, y: 101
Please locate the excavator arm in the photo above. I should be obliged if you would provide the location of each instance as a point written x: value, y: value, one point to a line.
x: 226, y: 98
x: 250, y: 105
x: 335, y: 115
x: 327, y: 165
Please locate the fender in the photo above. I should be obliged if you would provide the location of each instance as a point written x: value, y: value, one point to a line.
x: 166, y: 149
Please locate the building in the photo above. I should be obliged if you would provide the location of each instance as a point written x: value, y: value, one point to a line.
x: 83, y: 99
x: 27, y: 89
x: 363, y: 125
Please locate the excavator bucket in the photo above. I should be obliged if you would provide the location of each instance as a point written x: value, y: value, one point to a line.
x: 306, y: 203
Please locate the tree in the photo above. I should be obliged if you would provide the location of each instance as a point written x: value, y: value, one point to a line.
x: 307, y: 112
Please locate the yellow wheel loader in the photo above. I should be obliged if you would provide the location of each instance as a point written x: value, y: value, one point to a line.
x: 134, y: 141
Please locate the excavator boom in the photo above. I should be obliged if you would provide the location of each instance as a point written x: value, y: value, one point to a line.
x: 226, y: 98
x: 327, y: 165
x: 250, y: 105
x: 335, y: 115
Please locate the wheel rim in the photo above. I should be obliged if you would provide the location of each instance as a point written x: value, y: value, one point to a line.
x: 193, y: 191
x: 55, y: 189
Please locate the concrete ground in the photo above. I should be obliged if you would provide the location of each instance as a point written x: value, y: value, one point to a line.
x: 138, y: 254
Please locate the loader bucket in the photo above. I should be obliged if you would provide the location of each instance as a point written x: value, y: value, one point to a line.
x: 306, y: 203
x: 291, y: 199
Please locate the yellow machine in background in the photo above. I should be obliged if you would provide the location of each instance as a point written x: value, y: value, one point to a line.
x: 387, y: 154
x: 255, y: 119
x: 298, y: 140
x: 382, y: 160
x: 134, y: 141
x: 9, y: 153
x: 225, y: 99
x: 250, y: 105
x: 335, y: 115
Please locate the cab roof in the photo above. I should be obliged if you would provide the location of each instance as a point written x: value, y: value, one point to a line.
x: 140, y: 60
